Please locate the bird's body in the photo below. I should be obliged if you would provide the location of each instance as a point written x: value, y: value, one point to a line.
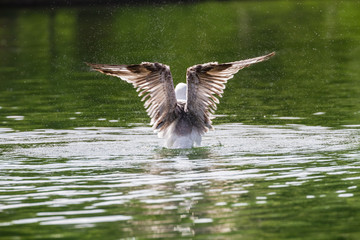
x: 181, y: 115
x: 182, y: 132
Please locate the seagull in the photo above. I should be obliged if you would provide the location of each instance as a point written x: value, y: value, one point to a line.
x: 182, y: 115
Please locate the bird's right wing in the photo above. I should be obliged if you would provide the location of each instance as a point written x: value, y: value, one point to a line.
x: 154, y: 81
x: 209, y: 79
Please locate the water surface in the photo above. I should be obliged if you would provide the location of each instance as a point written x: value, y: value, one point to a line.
x: 79, y: 161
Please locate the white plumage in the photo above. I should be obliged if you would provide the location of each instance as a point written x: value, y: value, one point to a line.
x: 180, y: 92
x: 181, y: 115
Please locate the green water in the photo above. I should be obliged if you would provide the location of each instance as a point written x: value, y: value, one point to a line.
x: 78, y: 160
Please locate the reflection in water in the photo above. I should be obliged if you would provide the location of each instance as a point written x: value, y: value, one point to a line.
x: 193, y: 153
x: 89, y: 176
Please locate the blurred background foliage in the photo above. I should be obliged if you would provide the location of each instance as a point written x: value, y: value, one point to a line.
x: 314, y: 79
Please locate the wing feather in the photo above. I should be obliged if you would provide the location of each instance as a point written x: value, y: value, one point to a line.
x: 155, y: 85
x: 205, y: 82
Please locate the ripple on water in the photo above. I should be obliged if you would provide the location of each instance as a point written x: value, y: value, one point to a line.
x: 233, y: 139
x: 87, y: 176
x: 87, y: 220
x: 17, y: 118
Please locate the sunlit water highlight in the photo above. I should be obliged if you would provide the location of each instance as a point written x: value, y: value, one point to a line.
x: 88, y: 176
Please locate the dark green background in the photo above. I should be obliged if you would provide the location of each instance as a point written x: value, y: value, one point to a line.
x: 43, y: 76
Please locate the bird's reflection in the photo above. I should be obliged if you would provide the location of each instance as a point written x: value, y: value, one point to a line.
x: 191, y: 154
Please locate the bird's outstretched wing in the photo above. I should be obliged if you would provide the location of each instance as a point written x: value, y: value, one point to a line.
x: 155, y: 84
x: 209, y: 79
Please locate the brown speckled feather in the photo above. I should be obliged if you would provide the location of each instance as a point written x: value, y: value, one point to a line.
x: 154, y: 82
x: 209, y: 79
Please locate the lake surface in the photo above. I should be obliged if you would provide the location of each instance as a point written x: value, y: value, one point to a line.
x: 78, y: 159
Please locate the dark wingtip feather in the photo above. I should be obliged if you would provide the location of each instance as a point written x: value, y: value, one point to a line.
x: 91, y: 65
x: 270, y: 55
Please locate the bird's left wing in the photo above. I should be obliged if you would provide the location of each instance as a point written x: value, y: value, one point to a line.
x: 209, y: 79
x: 155, y: 84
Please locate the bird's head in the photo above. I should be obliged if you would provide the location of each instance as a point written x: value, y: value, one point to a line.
x: 181, y: 91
